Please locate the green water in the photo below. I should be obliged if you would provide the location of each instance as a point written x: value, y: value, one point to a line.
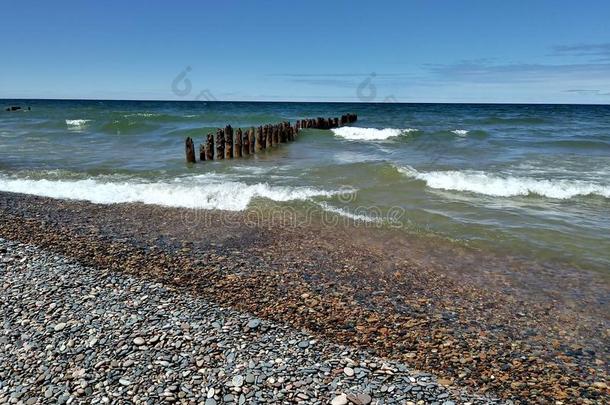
x: 525, y: 180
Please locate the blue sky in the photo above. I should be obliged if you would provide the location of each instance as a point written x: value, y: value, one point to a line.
x: 409, y: 51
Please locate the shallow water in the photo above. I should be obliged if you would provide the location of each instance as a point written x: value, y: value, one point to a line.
x: 527, y: 180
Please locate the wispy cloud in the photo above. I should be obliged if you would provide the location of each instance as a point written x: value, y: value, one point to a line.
x: 599, y: 51
x: 476, y: 71
x: 326, y: 82
x: 350, y: 80
x: 313, y: 75
x: 594, y: 92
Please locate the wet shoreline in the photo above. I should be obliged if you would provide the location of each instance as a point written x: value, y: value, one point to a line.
x: 476, y: 320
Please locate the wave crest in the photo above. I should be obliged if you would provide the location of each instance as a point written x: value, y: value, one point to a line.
x: 370, y: 134
x: 191, y: 192
x: 506, y: 186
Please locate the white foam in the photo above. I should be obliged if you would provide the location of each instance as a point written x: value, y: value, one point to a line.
x: 348, y: 214
x: 370, y: 134
x: 76, y: 124
x: 146, y: 115
x: 460, y: 132
x: 506, y: 185
x: 192, y: 192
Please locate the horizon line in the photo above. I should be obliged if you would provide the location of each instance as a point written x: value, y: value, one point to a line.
x: 302, y: 102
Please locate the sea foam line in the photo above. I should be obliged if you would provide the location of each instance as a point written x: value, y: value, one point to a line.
x: 370, y: 134
x: 185, y: 192
x: 505, y: 185
x: 350, y: 215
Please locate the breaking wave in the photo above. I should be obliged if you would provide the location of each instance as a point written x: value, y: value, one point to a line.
x: 76, y: 123
x: 191, y: 192
x: 370, y: 134
x: 349, y: 215
x: 460, y: 132
x: 505, y: 185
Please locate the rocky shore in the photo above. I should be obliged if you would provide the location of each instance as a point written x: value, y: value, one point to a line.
x: 496, y: 326
x: 74, y: 334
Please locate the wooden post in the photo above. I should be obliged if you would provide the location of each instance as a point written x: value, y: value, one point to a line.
x: 282, y: 133
x: 209, y: 147
x: 228, y: 142
x: 202, y: 152
x: 336, y: 122
x: 263, y: 139
x: 259, y: 139
x: 190, y: 150
x: 251, y: 138
x: 238, y: 137
x: 246, y: 143
x: 270, y: 141
x: 290, y: 130
x: 220, y: 144
x: 269, y: 136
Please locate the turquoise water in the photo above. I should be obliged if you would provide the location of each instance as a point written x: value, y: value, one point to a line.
x: 528, y: 180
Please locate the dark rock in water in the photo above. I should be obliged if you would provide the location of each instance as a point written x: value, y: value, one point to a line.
x: 14, y: 108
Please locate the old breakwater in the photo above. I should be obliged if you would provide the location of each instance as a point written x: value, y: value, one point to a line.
x: 229, y: 144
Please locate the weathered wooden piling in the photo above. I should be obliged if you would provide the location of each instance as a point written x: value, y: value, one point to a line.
x: 252, y: 140
x: 259, y: 139
x: 263, y: 139
x: 220, y: 144
x: 209, y: 147
x: 246, y: 143
x: 238, y: 141
x: 190, y: 150
x: 269, y: 136
x: 228, y: 142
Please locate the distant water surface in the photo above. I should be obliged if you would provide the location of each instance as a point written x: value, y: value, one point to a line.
x: 527, y: 180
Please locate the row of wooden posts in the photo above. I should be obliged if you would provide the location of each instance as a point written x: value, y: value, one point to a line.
x: 231, y: 144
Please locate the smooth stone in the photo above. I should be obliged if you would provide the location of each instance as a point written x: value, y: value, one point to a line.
x: 339, y: 400
x: 254, y: 323
x: 304, y: 344
x: 348, y: 371
x: 360, y: 399
x: 210, y: 401
x: 237, y: 381
x: 59, y: 327
x: 124, y: 381
x: 139, y: 341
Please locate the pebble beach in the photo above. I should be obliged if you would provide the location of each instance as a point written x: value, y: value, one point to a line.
x: 74, y: 334
x: 261, y: 313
